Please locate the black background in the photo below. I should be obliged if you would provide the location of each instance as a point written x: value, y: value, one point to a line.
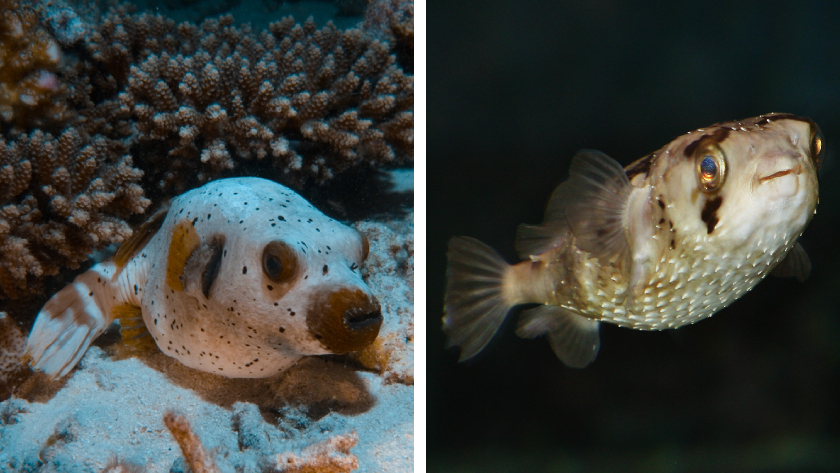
x: 514, y: 90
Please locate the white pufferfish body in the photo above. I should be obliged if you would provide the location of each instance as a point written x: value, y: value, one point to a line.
x: 241, y: 277
x: 667, y: 241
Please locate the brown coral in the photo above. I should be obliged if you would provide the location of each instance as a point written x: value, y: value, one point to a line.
x: 60, y: 200
x: 29, y: 57
x: 331, y: 456
x: 190, y: 103
x: 317, y: 101
x: 393, y: 21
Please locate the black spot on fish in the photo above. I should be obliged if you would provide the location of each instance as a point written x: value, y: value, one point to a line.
x: 661, y: 204
x: 326, y: 270
x: 673, y: 244
x: 640, y: 166
x: 194, y: 220
x: 709, y: 213
x: 661, y: 221
x: 244, y: 269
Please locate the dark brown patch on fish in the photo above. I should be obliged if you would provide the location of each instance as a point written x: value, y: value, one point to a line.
x: 715, y: 137
x: 709, y: 213
x: 640, y: 166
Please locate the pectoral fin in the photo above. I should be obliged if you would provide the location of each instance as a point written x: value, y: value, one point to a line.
x: 796, y: 264
x: 132, y: 326
x: 591, y: 204
x: 598, y: 195
x: 574, y: 338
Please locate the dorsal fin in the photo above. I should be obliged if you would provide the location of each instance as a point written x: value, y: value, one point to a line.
x: 140, y: 238
x: 184, y: 241
x: 132, y: 326
x: 536, y: 239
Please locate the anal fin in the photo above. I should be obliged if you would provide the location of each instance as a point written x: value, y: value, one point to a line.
x: 132, y: 326
x: 574, y: 338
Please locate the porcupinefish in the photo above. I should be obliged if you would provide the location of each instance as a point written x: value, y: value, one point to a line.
x: 667, y: 241
x: 240, y: 277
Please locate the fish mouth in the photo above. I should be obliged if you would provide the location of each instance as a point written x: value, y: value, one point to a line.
x: 794, y: 170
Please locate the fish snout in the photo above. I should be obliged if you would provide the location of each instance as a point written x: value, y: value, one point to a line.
x: 345, y: 320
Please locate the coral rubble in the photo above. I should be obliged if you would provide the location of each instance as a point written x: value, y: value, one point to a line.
x: 12, y: 344
x: 197, y: 457
x: 331, y: 456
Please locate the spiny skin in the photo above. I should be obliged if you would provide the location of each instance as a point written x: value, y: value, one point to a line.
x: 225, y: 308
x: 666, y: 241
x: 687, y: 271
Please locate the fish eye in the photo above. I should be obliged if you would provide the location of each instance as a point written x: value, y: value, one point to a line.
x: 711, y: 168
x: 279, y: 262
x: 816, y: 145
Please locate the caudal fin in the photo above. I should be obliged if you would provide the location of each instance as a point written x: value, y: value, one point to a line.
x: 64, y: 328
x: 475, y: 304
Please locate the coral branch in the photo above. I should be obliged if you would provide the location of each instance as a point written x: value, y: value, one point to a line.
x: 197, y: 458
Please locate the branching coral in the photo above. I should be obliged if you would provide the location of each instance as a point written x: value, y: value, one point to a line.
x: 393, y: 21
x: 60, y: 200
x: 29, y: 57
x: 189, y: 103
x: 316, y: 100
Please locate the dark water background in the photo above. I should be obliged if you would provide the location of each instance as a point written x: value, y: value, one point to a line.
x: 515, y: 89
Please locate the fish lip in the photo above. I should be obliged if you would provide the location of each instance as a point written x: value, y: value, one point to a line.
x: 794, y: 170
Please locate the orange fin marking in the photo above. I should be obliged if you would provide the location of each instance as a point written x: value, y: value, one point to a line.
x: 140, y: 238
x: 185, y: 240
x: 132, y: 326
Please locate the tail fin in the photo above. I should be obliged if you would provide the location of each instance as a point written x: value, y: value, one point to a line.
x: 475, y: 304
x: 64, y: 328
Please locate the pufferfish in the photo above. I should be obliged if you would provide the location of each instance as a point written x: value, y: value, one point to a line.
x: 240, y: 277
x: 667, y: 241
